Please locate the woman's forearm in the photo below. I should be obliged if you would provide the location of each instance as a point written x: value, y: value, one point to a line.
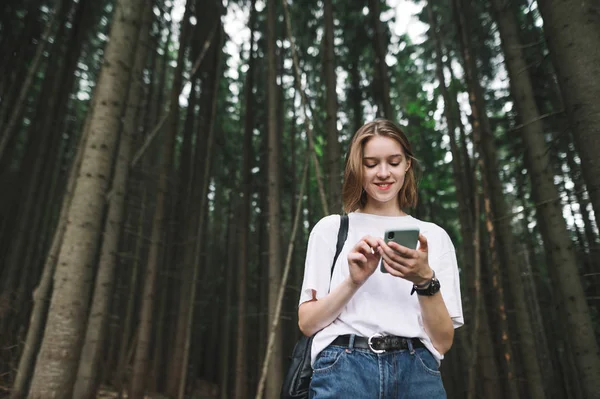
x: 437, y: 321
x: 315, y: 315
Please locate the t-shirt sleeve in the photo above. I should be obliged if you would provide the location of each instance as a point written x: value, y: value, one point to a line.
x: 319, y: 257
x: 446, y: 271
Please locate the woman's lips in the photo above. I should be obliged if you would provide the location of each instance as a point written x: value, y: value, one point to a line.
x: 383, y: 186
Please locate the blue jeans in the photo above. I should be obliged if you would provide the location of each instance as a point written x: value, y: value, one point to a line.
x: 347, y: 372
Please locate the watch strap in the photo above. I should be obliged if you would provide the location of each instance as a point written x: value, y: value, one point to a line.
x: 430, y: 288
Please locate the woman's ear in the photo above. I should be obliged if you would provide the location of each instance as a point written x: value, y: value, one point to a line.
x: 408, y: 164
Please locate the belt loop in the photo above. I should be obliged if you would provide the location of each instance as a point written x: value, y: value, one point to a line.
x: 410, y: 346
x: 351, y: 343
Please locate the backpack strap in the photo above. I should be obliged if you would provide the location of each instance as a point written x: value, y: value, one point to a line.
x: 341, y: 239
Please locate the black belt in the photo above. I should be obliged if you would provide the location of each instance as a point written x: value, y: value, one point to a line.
x: 378, y: 343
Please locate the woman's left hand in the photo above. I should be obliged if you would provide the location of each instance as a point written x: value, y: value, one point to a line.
x: 406, y: 263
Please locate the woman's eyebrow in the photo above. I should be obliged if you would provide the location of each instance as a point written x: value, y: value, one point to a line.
x: 376, y: 158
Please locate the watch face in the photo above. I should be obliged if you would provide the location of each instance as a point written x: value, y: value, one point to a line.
x: 433, y: 288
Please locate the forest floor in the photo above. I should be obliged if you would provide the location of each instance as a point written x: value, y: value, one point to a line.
x: 200, y: 393
x: 109, y: 393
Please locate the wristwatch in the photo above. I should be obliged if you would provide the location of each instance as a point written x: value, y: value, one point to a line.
x: 430, y: 288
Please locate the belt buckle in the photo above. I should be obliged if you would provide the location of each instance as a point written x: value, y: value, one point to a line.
x: 371, y: 343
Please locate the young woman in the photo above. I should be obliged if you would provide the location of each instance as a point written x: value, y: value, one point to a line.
x: 379, y: 335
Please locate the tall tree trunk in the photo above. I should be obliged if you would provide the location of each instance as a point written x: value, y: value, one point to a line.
x: 33, y: 186
x: 487, y: 359
x: 224, y: 391
x: 196, y: 210
x: 178, y: 293
x: 501, y: 219
x: 126, y: 341
x: 193, y: 229
x: 96, y: 332
x: 460, y: 173
x: 56, y: 366
x: 469, y: 228
x: 333, y: 145
x: 57, y: 117
x: 379, y: 41
x: 479, y: 312
x: 187, y: 198
x: 305, y: 106
x: 203, y: 209
x: 274, y: 326
x: 262, y: 278
x: 549, y: 210
x: 274, y: 189
x: 512, y: 390
x: 42, y: 292
x: 156, y: 107
x: 572, y: 30
x: 142, y: 352
x: 243, y: 225
x: 355, y: 92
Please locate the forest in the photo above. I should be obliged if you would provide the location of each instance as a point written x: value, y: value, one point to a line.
x: 162, y: 163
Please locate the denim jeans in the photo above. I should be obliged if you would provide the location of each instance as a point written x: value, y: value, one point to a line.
x: 347, y: 372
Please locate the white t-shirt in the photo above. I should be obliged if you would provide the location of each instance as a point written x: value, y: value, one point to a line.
x: 383, y: 304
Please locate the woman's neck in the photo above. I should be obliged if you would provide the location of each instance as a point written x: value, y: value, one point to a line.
x: 382, y: 210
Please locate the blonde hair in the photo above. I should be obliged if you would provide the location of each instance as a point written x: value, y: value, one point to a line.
x: 353, y: 195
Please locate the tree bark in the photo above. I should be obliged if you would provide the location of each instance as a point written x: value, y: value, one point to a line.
x: 34, y: 182
x: 189, y: 187
x: 305, y: 106
x: 479, y: 312
x: 572, y: 30
x: 142, y: 353
x: 198, y: 263
x: 188, y: 200
x: 501, y: 220
x: 460, y: 173
x: 469, y: 228
x: 127, y: 342
x: 243, y: 225
x: 96, y: 332
x: 58, y: 110
x: 333, y: 145
x: 56, y: 367
x: 195, y: 211
x: 557, y: 242
x: 42, y: 292
x: 355, y: 93
x: 379, y: 41
x: 273, y: 197
x: 508, y: 358
x: 224, y: 374
x: 274, y: 325
x: 487, y: 359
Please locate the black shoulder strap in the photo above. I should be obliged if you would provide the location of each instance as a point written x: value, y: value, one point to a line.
x: 341, y: 239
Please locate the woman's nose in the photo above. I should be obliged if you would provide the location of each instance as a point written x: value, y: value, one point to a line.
x: 383, y: 171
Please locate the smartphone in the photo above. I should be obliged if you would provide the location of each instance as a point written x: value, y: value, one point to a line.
x: 406, y: 236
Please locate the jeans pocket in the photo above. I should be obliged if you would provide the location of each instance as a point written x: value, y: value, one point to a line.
x: 427, y: 361
x: 328, y: 359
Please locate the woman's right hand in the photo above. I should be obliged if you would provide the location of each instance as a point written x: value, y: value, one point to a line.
x: 363, y: 260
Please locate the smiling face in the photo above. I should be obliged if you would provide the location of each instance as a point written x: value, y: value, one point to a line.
x: 384, y: 169
x: 380, y: 166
